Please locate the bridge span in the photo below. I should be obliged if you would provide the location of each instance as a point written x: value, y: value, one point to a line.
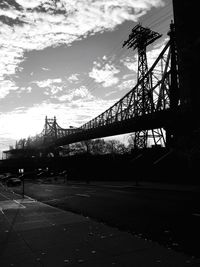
x: 147, y: 109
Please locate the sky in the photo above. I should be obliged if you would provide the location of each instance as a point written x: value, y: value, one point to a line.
x: 65, y: 58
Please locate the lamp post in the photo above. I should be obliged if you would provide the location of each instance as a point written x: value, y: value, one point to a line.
x: 22, y: 171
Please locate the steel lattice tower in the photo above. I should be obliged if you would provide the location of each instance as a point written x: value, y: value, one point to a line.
x: 139, y: 39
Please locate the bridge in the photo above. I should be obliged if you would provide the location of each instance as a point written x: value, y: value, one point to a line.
x: 145, y: 109
x: 160, y: 106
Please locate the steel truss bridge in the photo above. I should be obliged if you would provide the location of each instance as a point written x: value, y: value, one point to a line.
x: 150, y: 110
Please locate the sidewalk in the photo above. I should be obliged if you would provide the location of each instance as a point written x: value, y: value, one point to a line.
x: 36, y: 234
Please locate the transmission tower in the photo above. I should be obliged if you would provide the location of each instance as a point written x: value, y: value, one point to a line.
x: 139, y: 39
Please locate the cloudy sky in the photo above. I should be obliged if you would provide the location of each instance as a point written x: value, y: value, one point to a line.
x: 64, y: 58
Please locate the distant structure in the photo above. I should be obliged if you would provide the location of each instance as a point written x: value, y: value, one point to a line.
x: 36, y: 146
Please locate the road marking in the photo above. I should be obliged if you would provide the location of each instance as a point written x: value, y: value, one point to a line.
x: 26, y: 197
x: 19, y: 203
x: 10, y: 204
x: 82, y: 195
x: 2, y: 211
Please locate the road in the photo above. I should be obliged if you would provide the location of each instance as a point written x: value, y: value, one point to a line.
x: 170, y: 217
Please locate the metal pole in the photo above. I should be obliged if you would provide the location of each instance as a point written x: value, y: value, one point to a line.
x: 22, y: 172
x: 23, y: 187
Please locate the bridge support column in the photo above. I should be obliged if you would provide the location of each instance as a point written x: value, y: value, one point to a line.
x: 140, y: 38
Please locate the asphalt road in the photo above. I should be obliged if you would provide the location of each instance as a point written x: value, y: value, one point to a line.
x: 170, y: 217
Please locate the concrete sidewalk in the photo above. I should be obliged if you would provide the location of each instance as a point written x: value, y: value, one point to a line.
x: 36, y: 234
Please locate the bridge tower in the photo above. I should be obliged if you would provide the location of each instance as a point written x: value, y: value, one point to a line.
x: 139, y: 39
x: 50, y: 128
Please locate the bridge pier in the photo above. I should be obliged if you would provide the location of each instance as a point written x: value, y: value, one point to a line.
x: 187, y: 125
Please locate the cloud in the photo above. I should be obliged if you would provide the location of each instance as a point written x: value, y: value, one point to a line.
x: 127, y: 85
x: 74, y: 94
x: 37, y: 24
x: 6, y: 86
x: 51, y: 87
x: 111, y: 93
x: 30, y: 3
x: 11, y: 56
x: 53, y: 91
x: 48, y: 82
x: 105, y: 74
x: 128, y: 76
x: 131, y: 62
x: 27, y: 90
x: 45, y: 69
x: 73, y: 78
